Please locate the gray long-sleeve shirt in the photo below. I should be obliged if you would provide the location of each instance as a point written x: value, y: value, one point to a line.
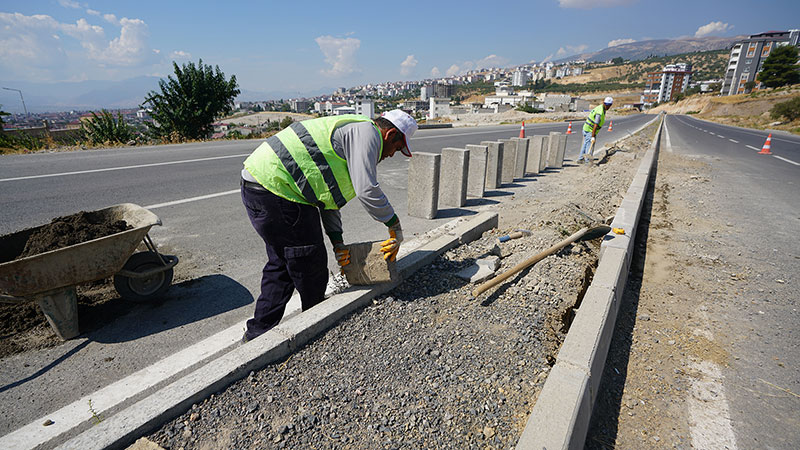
x: 360, y: 145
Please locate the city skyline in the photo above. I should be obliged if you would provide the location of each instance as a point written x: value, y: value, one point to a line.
x: 280, y: 48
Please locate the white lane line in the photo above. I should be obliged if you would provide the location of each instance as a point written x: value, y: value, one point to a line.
x: 712, y: 133
x: 440, y: 136
x: 721, y: 136
x: 787, y: 160
x: 137, y: 166
x: 756, y: 149
x: 669, y: 141
x: 735, y: 142
x: 192, y: 199
x: 103, y: 400
x: 709, y: 414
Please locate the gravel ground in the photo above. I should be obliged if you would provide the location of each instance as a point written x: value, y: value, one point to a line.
x: 426, y: 365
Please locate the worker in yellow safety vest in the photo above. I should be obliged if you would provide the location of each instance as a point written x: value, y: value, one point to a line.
x: 593, y: 124
x: 302, y: 176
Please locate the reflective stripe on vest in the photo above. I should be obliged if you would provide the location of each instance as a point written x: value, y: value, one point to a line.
x: 300, y: 164
x: 589, y: 124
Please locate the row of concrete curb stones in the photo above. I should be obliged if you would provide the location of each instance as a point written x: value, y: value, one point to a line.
x: 124, y: 427
x: 561, y: 415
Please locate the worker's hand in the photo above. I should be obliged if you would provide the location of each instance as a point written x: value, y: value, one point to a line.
x: 593, y: 139
x: 391, y: 246
x: 342, y: 254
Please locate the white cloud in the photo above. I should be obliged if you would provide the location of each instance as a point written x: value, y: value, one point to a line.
x: 453, y: 71
x: 712, y: 28
x: 340, y: 53
x: 69, y: 4
x: 408, y: 65
x: 111, y: 18
x: 435, y: 72
x: 93, y: 12
x: 589, y: 4
x: 179, y: 54
x: 491, y: 61
x: 42, y: 48
x: 616, y: 42
x: 571, y: 49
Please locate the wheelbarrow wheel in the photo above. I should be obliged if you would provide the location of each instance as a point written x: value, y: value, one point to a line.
x: 147, y: 288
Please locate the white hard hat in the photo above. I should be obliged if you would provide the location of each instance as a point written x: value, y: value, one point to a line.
x: 405, y: 123
x: 608, y: 100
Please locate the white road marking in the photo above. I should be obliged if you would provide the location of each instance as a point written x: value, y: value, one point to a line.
x: 721, y: 136
x: 756, y: 149
x: 110, y: 169
x: 709, y: 415
x: 712, y: 133
x: 192, y: 199
x: 787, y: 160
x: 735, y: 142
x: 669, y: 142
x: 439, y: 136
x: 103, y: 400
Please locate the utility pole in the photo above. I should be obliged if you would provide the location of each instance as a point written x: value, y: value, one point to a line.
x: 21, y: 98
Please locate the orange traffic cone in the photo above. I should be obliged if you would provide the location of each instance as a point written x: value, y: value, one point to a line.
x: 766, y: 147
x: 522, y: 130
x: 610, y: 125
x: 569, y: 128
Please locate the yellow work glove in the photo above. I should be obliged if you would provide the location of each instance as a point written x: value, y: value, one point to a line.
x: 391, y: 246
x: 342, y: 254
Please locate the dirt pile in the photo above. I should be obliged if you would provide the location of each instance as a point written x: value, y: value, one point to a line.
x: 70, y: 230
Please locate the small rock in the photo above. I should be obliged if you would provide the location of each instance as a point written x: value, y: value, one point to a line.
x: 194, y: 416
x: 488, y: 432
x: 644, y: 317
x: 48, y: 422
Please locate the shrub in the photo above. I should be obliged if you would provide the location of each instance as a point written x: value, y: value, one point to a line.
x: 105, y: 128
x: 789, y: 109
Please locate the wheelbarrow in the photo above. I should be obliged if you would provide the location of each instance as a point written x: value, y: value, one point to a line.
x: 50, y: 278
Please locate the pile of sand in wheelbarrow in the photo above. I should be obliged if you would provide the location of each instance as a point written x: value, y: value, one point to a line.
x: 70, y: 230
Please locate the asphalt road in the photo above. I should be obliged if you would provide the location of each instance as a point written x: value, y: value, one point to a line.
x: 758, y: 196
x: 193, y: 188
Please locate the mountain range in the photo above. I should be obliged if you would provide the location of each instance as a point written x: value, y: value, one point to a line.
x: 658, y: 47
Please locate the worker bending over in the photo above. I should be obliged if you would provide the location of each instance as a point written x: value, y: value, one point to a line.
x: 305, y: 173
x: 593, y: 124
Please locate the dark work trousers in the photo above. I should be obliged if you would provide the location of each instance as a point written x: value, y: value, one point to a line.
x: 296, y: 255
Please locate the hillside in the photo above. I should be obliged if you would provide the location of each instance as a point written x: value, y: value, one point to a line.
x: 705, y: 66
x: 645, y: 49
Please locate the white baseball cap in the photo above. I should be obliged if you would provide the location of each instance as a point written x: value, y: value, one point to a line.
x: 608, y: 101
x: 405, y: 123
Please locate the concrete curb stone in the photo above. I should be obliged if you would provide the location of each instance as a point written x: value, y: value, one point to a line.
x: 560, y: 418
x: 129, y: 424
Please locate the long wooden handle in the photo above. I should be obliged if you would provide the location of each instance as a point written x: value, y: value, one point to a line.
x: 528, y: 262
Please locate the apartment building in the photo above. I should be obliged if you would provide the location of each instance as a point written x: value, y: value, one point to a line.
x: 748, y: 55
x: 664, y: 85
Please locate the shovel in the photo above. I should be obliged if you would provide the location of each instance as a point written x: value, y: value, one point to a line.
x: 584, y: 234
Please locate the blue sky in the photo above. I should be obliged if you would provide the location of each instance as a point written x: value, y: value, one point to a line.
x: 305, y: 46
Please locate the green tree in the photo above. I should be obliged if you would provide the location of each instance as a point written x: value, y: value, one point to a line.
x: 286, y: 122
x: 780, y: 67
x: 189, y: 103
x: 3, y: 122
x: 617, y: 61
x: 105, y: 128
x: 788, y: 109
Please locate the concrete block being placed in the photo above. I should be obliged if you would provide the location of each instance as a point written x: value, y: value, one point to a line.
x: 522, y: 156
x: 367, y: 265
x: 476, y: 178
x: 509, y: 160
x: 545, y: 150
x: 552, y: 150
x: 453, y: 177
x: 494, y: 163
x: 534, y: 161
x: 423, y: 185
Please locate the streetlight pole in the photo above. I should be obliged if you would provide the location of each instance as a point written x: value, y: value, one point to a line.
x: 21, y: 98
